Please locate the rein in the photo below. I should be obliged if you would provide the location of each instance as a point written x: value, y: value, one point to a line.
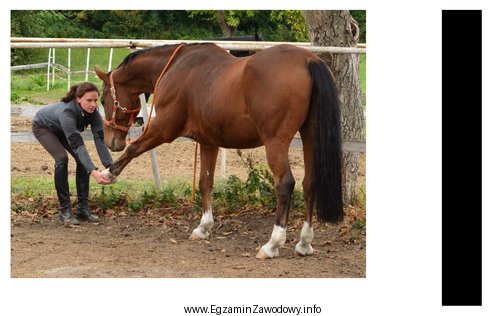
x: 155, y: 91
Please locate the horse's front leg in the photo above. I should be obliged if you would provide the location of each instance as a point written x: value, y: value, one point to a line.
x: 208, y: 158
x: 146, y: 142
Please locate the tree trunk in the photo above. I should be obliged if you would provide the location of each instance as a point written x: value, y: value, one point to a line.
x: 338, y: 28
x: 227, y: 30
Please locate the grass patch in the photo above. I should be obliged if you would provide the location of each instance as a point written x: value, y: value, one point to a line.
x: 360, y: 196
x: 29, y: 86
x: 230, y: 194
x: 362, y: 72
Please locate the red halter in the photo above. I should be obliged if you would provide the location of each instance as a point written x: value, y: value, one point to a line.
x: 116, y: 106
x: 116, y: 103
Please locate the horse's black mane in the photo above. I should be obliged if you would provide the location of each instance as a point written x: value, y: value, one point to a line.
x: 128, y: 59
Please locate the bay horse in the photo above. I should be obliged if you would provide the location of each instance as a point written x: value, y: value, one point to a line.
x: 218, y: 100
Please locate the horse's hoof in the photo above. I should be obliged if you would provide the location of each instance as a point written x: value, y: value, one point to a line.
x: 261, y: 255
x: 108, y: 175
x: 194, y: 236
x: 304, y: 250
x: 267, y: 253
x: 198, y: 235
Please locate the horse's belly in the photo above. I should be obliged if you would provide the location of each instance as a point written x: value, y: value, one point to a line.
x: 240, y: 136
x: 240, y: 143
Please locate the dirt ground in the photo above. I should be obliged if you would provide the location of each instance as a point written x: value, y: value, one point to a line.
x: 155, y: 243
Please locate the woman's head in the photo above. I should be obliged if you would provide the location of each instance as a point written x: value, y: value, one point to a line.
x: 86, y: 94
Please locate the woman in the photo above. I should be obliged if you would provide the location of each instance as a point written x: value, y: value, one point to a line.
x: 57, y: 127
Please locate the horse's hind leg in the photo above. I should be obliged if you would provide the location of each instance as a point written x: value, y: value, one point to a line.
x: 278, y: 160
x: 304, y: 247
x: 208, y: 158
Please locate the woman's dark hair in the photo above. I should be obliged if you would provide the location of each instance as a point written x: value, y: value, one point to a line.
x: 79, y: 90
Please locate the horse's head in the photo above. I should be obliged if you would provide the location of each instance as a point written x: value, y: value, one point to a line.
x: 121, y: 106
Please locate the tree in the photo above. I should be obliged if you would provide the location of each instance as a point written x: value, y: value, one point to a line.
x: 338, y: 28
x: 228, y: 20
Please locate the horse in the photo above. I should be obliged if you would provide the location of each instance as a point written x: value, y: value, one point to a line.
x: 204, y: 93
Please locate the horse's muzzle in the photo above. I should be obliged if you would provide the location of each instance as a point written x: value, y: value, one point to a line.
x: 116, y: 144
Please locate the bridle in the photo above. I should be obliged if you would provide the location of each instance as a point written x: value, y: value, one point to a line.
x: 116, y: 106
x: 116, y: 103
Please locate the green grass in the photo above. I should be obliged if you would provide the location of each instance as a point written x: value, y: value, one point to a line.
x: 362, y: 72
x: 29, y: 193
x: 33, y: 186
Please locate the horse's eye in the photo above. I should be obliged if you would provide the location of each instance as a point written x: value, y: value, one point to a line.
x: 102, y: 101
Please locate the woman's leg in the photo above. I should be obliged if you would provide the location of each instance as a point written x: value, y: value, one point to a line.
x: 82, y: 182
x: 52, y: 144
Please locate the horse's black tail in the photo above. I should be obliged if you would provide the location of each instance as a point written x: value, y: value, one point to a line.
x: 326, y: 183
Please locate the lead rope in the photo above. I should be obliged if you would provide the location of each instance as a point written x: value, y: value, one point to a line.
x: 194, y: 175
x: 155, y: 93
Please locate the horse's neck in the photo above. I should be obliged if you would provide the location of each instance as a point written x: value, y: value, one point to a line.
x: 144, y: 72
x: 137, y: 77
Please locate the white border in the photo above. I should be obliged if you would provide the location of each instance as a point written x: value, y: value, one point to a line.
x: 403, y: 179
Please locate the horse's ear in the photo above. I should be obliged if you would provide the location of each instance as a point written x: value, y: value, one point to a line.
x: 101, y: 74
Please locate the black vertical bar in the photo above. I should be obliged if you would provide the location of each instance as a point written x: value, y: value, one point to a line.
x: 462, y: 158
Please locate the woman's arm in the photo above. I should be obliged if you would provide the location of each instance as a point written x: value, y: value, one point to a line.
x: 97, y: 128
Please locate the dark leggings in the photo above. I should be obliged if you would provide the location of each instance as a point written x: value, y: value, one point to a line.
x: 57, y: 146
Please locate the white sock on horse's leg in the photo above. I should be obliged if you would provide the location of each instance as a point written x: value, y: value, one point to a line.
x: 304, y: 247
x: 270, y: 250
x: 108, y: 175
x: 206, y: 224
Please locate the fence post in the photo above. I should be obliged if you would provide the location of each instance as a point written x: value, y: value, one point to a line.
x: 153, y: 155
x: 223, y: 153
x: 69, y: 68
x: 87, y: 65
x: 110, y: 59
x: 48, y: 74
x: 53, y: 68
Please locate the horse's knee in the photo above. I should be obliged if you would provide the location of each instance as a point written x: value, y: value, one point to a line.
x: 202, y: 185
x: 131, y: 150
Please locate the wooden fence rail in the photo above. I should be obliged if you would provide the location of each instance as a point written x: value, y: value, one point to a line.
x: 25, y: 42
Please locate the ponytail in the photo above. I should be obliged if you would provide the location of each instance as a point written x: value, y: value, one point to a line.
x: 79, y: 90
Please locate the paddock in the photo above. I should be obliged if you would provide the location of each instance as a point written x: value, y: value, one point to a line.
x: 154, y: 243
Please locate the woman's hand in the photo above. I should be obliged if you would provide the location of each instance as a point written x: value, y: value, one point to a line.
x: 100, y: 179
x: 108, y: 175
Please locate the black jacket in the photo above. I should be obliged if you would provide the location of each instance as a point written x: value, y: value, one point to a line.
x: 69, y: 120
